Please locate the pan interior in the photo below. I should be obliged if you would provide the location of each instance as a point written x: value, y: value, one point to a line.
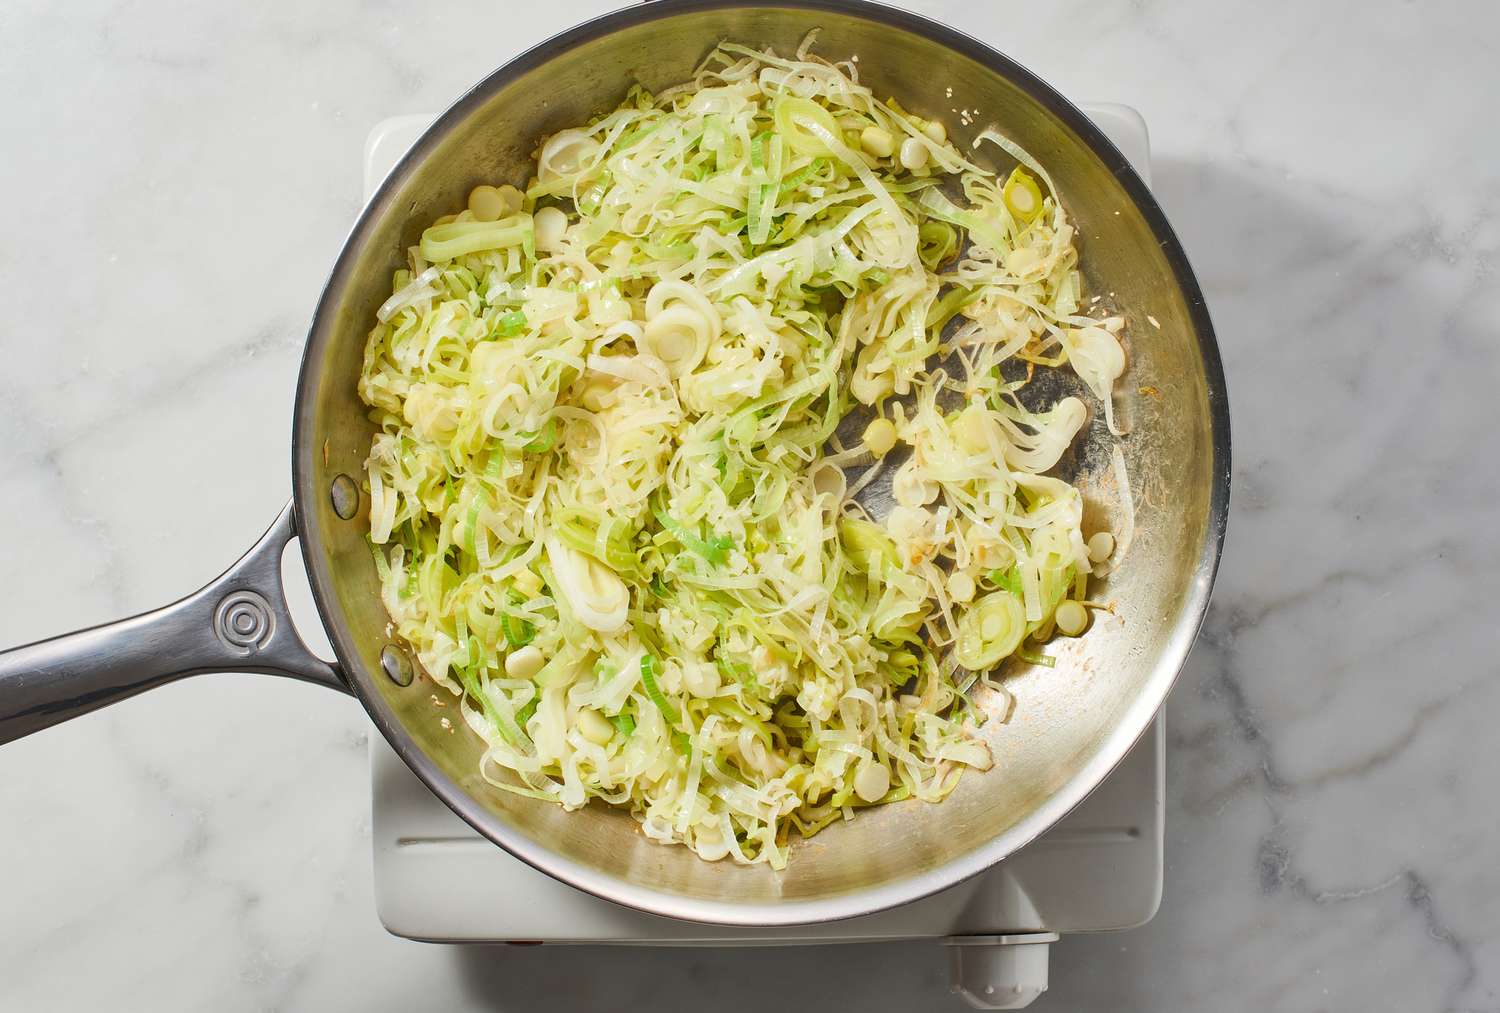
x: 1069, y: 724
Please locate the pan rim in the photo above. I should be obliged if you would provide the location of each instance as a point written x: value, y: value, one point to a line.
x: 590, y: 879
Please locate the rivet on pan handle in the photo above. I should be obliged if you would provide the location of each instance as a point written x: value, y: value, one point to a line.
x: 237, y: 623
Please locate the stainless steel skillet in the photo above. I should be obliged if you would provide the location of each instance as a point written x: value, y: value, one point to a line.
x: 1070, y: 725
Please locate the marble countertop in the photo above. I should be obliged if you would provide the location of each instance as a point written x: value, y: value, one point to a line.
x: 179, y: 179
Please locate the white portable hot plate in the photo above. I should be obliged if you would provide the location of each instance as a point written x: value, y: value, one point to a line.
x: 1097, y: 870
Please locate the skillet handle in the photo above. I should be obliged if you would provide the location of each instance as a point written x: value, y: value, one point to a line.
x: 239, y: 622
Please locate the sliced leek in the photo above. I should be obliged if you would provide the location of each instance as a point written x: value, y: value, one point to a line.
x: 608, y: 506
x: 990, y: 631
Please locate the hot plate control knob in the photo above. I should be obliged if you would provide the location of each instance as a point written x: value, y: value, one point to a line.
x: 1000, y: 972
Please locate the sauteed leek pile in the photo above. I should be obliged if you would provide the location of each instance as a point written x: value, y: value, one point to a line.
x: 624, y: 415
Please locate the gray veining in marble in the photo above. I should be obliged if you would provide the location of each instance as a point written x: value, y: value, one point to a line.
x: 177, y: 179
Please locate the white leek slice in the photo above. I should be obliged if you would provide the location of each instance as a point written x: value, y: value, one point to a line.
x: 597, y: 597
x: 1098, y: 359
x: 989, y: 631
